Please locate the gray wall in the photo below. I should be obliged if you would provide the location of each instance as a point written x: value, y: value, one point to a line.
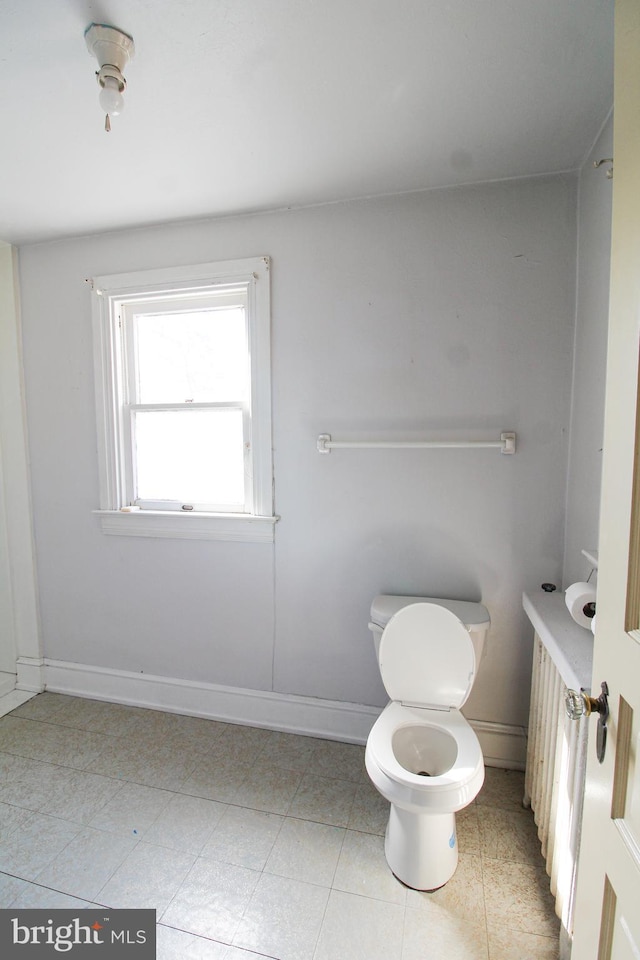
x: 447, y: 313
x: 590, y: 360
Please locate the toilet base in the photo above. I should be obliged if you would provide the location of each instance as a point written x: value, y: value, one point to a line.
x: 421, y: 849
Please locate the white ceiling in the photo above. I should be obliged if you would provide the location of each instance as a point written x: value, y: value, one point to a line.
x: 245, y: 105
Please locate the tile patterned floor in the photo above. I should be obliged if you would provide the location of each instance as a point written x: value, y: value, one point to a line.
x: 250, y: 843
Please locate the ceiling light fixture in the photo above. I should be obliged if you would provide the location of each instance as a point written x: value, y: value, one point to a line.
x: 112, y: 49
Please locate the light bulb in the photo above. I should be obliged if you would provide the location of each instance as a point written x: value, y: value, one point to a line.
x: 110, y: 99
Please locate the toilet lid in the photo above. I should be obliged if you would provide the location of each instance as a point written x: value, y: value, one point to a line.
x: 427, y: 657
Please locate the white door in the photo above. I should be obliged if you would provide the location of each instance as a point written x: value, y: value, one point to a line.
x: 607, y: 916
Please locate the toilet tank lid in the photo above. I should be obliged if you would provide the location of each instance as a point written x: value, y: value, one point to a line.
x: 385, y: 605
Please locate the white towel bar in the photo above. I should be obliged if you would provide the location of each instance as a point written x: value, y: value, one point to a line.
x: 506, y: 443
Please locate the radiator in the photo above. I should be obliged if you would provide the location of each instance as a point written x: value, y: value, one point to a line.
x: 554, y: 779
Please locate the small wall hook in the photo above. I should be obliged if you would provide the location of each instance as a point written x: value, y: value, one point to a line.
x: 598, y: 163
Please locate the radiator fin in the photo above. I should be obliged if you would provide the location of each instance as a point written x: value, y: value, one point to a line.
x: 554, y: 778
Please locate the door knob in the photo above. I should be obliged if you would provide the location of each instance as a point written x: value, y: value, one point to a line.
x: 582, y: 705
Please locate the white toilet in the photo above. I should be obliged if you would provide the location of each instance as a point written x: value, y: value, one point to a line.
x: 421, y: 754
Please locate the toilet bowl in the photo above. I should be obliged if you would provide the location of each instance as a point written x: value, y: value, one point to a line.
x: 421, y: 753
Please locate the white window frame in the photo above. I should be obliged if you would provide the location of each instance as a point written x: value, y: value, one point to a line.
x: 110, y: 295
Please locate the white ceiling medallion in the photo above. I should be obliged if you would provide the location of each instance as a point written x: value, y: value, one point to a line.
x: 112, y: 49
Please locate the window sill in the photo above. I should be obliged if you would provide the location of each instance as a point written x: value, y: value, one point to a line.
x: 181, y: 526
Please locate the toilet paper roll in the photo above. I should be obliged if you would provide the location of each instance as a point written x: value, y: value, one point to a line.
x: 580, y: 599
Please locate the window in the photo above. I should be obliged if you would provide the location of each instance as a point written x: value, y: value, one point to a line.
x: 183, y: 400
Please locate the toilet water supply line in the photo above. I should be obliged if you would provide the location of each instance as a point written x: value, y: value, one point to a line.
x: 506, y: 444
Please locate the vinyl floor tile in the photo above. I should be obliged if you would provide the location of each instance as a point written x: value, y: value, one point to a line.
x: 268, y: 788
x: 507, y: 834
x: 363, y: 869
x: 174, y: 730
x: 463, y: 896
x: 250, y: 843
x: 132, y: 810
x: 77, y: 795
x: 159, y: 765
x: 148, y: 878
x: 468, y: 829
x: 361, y: 929
x: 444, y: 936
x: 10, y: 888
x: 369, y: 811
x: 502, y: 788
x: 506, y: 944
x: 244, y: 837
x: 45, y: 706
x: 24, y: 782
x: 11, y: 819
x: 216, y: 778
x: 244, y: 744
x: 289, y: 751
x: 97, y: 716
x: 37, y: 740
x: 324, y: 799
x: 212, y: 899
x: 306, y: 851
x: 283, y: 918
x: 345, y: 761
x: 172, y: 944
x: 86, y: 863
x: 36, y: 844
x: 34, y: 897
x: 517, y: 897
x: 186, y: 823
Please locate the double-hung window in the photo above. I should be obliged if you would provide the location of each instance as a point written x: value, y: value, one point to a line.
x: 183, y: 400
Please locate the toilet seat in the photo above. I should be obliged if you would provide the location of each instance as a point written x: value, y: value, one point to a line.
x: 465, y: 767
x: 427, y: 657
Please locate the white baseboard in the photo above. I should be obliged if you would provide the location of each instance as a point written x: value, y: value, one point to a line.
x: 350, y: 722
x: 30, y: 674
x: 502, y: 745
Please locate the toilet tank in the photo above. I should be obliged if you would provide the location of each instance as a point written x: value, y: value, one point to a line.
x: 474, y: 616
